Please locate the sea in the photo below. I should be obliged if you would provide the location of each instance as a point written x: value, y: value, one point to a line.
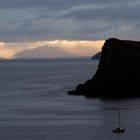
x: 34, y: 104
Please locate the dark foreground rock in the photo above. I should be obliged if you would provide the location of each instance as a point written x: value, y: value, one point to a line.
x: 118, y: 74
x: 96, y: 56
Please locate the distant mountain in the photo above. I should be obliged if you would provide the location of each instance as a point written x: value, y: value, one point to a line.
x: 1, y: 58
x: 44, y: 52
x: 96, y: 56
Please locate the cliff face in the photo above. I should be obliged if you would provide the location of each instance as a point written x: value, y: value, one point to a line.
x: 118, y: 74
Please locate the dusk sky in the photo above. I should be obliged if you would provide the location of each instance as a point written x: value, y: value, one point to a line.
x: 26, y: 24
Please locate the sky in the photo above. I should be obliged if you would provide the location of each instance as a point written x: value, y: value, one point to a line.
x: 26, y: 24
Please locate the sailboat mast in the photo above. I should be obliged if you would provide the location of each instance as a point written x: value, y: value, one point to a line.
x: 119, y: 118
x: 119, y: 129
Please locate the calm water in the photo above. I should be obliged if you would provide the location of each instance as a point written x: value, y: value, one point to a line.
x: 34, y: 104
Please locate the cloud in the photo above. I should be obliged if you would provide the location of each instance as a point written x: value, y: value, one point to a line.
x: 5, y: 52
x: 124, y: 12
x: 55, y: 4
x: 32, y: 20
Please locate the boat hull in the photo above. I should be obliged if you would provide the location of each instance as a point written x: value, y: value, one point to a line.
x: 118, y: 130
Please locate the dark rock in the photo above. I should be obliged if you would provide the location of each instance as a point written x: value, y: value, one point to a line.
x: 118, y: 74
x: 97, y: 56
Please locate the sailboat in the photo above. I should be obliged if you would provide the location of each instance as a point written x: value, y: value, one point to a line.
x: 119, y: 129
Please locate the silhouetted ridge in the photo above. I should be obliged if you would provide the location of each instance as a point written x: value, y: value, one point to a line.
x: 118, y: 74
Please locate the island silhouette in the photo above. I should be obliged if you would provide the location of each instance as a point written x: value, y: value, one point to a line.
x: 118, y: 73
x: 97, y: 56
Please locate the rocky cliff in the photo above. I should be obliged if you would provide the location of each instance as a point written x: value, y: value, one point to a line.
x: 118, y: 74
